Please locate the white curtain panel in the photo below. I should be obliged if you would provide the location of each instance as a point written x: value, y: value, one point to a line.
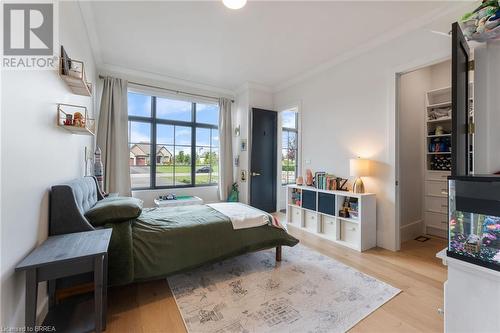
x: 112, y: 136
x: 226, y: 148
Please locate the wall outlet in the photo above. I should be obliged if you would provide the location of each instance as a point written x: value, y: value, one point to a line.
x: 308, y: 161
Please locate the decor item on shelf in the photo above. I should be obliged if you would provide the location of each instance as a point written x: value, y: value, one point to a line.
x: 69, y: 120
x: 440, y: 145
x: 439, y: 130
x: 340, y: 184
x: 98, y: 168
x: 483, y: 23
x: 359, y: 168
x: 237, y: 131
x: 309, y: 177
x: 237, y: 161
x: 299, y: 181
x: 331, y: 183
x: 319, y: 177
x: 324, y: 181
x: 65, y: 62
x: 296, y: 197
x: 78, y: 120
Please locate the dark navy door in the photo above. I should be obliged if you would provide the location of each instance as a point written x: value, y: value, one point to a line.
x: 263, y: 160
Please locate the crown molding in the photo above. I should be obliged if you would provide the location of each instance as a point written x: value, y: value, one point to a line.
x: 172, y: 82
x: 413, y: 25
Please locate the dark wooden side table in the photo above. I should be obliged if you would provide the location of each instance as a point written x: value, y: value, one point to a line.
x: 62, y: 256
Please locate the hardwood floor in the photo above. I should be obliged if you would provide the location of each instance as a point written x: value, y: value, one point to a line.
x: 150, y: 307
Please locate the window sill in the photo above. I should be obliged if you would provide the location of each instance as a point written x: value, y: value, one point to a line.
x: 174, y: 188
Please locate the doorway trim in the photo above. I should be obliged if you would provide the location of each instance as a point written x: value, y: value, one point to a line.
x: 286, y: 107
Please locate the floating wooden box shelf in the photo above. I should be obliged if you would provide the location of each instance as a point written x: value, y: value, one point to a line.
x: 82, y: 126
x: 76, y: 80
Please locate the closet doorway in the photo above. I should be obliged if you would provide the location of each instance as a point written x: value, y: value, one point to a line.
x: 423, y: 143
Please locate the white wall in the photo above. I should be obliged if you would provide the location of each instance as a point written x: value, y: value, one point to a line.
x: 349, y: 110
x: 487, y: 108
x: 35, y: 155
x: 440, y: 75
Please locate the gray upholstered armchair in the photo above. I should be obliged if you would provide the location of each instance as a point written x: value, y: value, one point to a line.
x: 69, y: 203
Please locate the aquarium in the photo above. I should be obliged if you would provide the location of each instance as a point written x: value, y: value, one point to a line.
x: 474, y: 220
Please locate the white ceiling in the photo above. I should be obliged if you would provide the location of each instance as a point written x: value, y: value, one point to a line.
x: 267, y: 43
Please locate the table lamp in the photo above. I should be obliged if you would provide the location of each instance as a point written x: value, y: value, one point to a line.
x: 358, y: 168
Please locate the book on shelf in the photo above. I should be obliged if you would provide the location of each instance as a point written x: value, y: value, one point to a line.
x: 325, y: 181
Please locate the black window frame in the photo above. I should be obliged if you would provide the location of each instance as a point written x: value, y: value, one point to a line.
x: 154, y: 121
x: 296, y: 131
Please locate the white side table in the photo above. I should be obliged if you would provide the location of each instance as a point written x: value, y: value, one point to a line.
x: 180, y: 201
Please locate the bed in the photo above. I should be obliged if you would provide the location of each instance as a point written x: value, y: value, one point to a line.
x: 161, y: 241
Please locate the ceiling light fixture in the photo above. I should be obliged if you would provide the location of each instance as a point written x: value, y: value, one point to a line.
x: 234, y: 4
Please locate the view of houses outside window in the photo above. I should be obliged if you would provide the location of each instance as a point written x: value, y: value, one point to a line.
x: 184, y: 137
x: 289, y: 146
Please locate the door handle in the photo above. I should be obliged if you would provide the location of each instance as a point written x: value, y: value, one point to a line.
x: 254, y: 174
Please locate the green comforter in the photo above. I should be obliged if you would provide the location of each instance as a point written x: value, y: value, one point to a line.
x: 164, y: 241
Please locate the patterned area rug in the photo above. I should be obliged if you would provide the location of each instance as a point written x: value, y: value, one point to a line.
x: 306, y: 292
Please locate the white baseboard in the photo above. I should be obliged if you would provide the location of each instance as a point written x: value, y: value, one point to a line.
x: 411, y: 230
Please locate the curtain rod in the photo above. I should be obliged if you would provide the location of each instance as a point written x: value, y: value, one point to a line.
x: 171, y: 90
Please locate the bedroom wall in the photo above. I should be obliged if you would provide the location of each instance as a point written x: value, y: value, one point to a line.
x: 248, y: 96
x: 348, y: 110
x: 36, y: 155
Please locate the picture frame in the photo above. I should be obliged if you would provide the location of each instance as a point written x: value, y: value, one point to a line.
x: 243, y: 145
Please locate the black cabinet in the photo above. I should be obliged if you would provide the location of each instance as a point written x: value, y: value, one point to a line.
x: 309, y: 199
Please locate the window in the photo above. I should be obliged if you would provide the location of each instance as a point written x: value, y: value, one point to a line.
x: 289, y: 147
x: 184, y: 137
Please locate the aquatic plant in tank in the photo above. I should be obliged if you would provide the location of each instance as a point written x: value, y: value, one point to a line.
x: 474, y: 222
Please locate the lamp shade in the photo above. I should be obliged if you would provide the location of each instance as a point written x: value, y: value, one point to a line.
x: 359, y: 167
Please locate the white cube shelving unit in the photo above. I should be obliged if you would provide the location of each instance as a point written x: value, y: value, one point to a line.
x: 318, y: 214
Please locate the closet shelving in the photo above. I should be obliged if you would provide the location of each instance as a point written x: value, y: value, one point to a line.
x: 438, y: 116
x: 436, y: 186
x: 437, y: 159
